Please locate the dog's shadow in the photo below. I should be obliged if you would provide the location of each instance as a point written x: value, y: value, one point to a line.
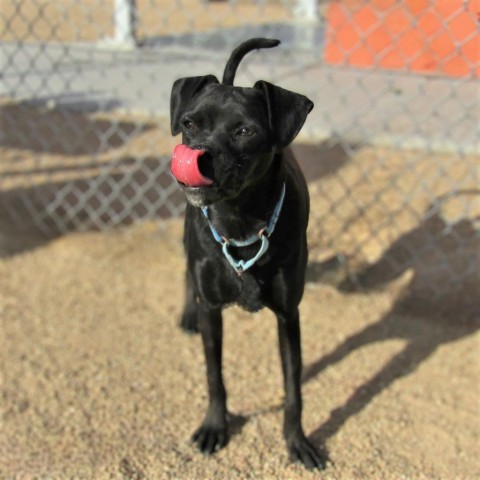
x: 436, y: 308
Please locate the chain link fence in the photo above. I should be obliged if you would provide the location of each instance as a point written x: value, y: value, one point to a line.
x: 391, y: 150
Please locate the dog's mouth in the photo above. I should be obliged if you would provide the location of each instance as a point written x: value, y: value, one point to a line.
x: 205, y: 165
x: 192, y: 167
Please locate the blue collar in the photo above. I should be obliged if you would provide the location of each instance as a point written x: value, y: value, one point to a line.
x: 241, y: 266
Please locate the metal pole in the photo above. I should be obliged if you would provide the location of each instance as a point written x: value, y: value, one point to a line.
x: 125, y: 16
x: 306, y: 16
x: 306, y: 10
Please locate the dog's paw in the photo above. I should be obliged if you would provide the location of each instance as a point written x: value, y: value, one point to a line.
x: 210, y: 439
x: 301, y: 450
x: 189, y: 322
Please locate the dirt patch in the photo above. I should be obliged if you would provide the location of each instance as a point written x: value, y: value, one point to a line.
x: 99, y: 383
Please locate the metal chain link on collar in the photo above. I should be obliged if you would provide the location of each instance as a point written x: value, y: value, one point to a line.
x: 241, y: 266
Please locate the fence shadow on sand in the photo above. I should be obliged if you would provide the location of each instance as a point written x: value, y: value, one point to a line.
x: 438, y: 306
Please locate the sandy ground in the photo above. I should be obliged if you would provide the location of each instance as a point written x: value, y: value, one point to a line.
x: 98, y: 382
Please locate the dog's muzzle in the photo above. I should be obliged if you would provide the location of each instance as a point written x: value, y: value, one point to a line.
x: 185, y: 166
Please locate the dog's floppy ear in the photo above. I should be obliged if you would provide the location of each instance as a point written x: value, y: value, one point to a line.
x: 287, y: 112
x: 183, y: 90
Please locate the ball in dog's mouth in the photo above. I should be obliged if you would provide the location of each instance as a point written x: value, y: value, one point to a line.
x: 186, y: 167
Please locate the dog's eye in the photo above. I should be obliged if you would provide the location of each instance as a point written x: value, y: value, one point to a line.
x: 188, y: 124
x: 245, y: 132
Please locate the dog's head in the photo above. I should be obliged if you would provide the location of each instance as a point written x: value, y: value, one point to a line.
x: 232, y: 133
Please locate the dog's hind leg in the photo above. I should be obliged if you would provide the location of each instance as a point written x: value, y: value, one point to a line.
x: 212, y: 434
x: 189, y: 320
x: 299, y: 448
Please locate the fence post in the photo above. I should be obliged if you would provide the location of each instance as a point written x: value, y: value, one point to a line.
x: 306, y: 10
x: 307, y: 15
x: 125, y: 16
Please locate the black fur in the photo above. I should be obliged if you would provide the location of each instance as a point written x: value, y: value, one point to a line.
x: 245, y: 133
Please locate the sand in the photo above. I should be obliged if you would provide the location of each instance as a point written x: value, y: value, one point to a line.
x: 98, y: 381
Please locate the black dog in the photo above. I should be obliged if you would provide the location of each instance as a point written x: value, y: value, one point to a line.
x: 245, y: 225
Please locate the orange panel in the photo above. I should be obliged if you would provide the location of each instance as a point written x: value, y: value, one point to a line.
x: 398, y: 21
x: 365, y: 18
x: 462, y: 26
x: 437, y: 36
x: 470, y: 50
x: 430, y: 22
x: 411, y: 45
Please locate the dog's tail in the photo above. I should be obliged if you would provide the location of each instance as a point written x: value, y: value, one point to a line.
x: 240, y: 52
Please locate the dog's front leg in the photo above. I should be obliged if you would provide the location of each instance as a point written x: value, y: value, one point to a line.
x: 299, y: 448
x: 189, y: 321
x: 212, y: 434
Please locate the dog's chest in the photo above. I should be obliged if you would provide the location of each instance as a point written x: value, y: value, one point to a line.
x: 250, y: 293
x: 219, y: 285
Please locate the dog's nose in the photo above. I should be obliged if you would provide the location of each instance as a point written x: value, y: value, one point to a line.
x: 207, y: 148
